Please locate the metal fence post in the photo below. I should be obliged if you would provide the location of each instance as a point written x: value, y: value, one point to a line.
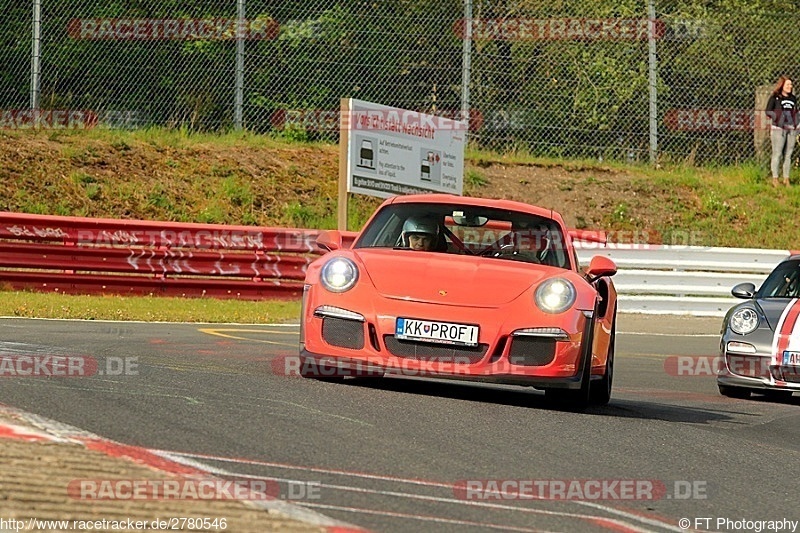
x: 35, y: 59
x: 652, y: 65
x: 466, y: 63
x: 239, y: 97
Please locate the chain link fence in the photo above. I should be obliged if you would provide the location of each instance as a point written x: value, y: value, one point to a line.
x: 636, y: 80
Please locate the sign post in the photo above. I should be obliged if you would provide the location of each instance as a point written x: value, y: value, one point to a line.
x: 344, y: 141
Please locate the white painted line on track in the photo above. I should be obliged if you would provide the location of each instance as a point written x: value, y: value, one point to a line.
x: 610, y: 523
x: 317, y: 470
x: 436, y: 499
x: 425, y: 518
x: 179, y: 456
x: 633, y: 516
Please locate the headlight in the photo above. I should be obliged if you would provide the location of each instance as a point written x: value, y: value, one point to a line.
x: 339, y: 274
x: 744, y: 321
x: 555, y: 295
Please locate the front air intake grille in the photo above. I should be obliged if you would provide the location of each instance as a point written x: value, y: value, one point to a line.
x: 531, y: 351
x: 343, y: 333
x: 441, y: 353
x: 750, y: 366
x: 790, y: 374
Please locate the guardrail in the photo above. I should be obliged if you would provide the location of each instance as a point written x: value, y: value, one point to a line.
x: 80, y: 255
x: 84, y: 256
x: 684, y: 280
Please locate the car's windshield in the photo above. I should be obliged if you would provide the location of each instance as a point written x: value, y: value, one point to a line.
x: 468, y: 230
x: 783, y: 282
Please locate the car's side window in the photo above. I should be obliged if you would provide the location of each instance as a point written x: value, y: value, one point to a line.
x: 390, y: 234
x: 790, y: 284
x: 384, y: 232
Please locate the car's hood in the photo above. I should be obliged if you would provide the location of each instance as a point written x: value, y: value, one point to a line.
x: 773, y: 308
x: 448, y: 279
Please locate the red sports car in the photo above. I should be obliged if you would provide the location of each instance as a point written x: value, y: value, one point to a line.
x: 473, y: 289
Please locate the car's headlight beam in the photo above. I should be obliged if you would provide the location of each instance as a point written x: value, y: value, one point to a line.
x: 339, y: 274
x: 744, y: 321
x: 555, y: 295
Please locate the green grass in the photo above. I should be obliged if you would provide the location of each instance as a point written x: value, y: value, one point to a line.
x: 206, y: 177
x: 723, y: 206
x: 150, y: 309
x: 475, y: 179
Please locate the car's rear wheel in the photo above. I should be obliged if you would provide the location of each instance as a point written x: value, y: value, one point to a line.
x: 600, y: 391
x: 734, y: 392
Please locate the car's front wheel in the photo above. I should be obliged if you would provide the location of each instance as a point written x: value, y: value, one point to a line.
x: 313, y: 369
x: 573, y: 398
x: 734, y: 392
x: 600, y: 391
x: 576, y: 398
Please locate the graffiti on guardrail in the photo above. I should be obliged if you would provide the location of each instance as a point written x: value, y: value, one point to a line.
x: 34, y: 231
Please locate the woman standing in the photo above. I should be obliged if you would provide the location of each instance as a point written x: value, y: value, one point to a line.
x: 782, y: 110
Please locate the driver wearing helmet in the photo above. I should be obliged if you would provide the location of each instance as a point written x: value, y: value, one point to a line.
x: 533, y: 238
x: 420, y: 233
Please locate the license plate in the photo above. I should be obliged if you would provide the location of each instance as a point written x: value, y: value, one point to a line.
x: 791, y: 358
x: 433, y: 331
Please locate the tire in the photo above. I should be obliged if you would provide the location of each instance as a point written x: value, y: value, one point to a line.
x: 365, y: 378
x: 578, y: 399
x: 734, y: 392
x: 332, y: 374
x: 324, y: 379
x: 320, y: 372
x: 600, y: 391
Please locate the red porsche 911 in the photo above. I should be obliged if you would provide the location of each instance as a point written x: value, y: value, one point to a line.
x: 472, y: 289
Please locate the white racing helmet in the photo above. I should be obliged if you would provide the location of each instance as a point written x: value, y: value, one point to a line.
x: 423, y: 225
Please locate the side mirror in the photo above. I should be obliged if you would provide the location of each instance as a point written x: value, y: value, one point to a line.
x: 600, y: 266
x: 330, y: 240
x: 745, y: 291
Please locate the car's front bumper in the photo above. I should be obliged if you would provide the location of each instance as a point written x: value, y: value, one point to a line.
x: 517, y: 342
x: 507, y: 354
x: 756, y: 371
x: 326, y: 366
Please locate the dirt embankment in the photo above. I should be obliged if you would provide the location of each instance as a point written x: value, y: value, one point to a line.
x: 278, y: 184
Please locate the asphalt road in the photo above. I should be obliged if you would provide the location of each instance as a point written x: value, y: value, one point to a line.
x: 396, y: 454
